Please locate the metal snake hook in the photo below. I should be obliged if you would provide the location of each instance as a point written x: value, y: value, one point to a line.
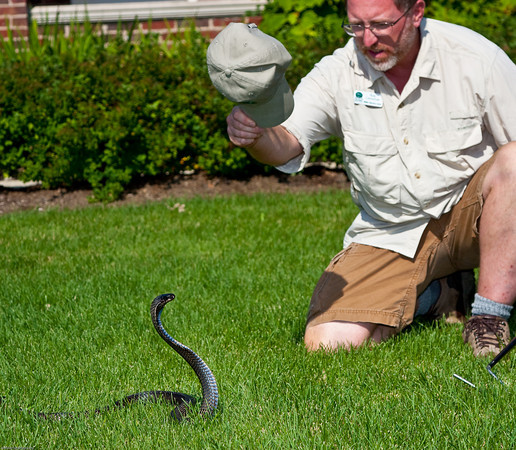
x: 490, y: 366
x: 498, y: 357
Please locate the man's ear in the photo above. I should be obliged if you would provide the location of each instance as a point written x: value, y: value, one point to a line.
x: 417, y: 14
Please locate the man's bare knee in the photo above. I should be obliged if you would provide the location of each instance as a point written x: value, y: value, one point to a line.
x: 502, y: 171
x: 347, y: 335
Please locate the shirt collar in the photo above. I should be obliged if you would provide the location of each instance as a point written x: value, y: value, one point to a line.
x: 363, y: 68
x: 427, y: 62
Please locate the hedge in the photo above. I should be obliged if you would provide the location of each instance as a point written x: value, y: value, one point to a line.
x: 101, y: 115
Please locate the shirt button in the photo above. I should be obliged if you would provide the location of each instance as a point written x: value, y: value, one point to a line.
x: 405, y: 141
x: 402, y: 105
x: 417, y: 175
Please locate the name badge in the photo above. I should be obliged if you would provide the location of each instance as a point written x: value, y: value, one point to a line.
x: 368, y: 98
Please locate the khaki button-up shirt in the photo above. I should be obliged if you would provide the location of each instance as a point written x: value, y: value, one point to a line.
x: 409, y: 155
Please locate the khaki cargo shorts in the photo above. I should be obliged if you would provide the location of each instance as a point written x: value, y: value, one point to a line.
x: 374, y: 285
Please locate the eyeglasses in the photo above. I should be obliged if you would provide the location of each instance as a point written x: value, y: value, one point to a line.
x: 378, y: 29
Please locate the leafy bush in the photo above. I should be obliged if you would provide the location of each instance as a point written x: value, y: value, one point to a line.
x: 309, y: 29
x: 77, y: 111
x: 496, y: 20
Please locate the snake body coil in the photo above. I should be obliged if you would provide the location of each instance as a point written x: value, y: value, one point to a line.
x: 182, y: 402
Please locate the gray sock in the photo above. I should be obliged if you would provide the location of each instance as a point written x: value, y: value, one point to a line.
x: 483, y: 305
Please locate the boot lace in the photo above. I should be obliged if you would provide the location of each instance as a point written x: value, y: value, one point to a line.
x: 488, y: 331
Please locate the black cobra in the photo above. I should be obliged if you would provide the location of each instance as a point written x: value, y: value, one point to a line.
x: 210, y: 393
x: 182, y: 402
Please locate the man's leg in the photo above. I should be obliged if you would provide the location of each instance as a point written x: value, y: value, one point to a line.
x: 370, y: 294
x: 488, y: 331
x: 365, y: 293
x: 449, y: 297
x: 497, y: 275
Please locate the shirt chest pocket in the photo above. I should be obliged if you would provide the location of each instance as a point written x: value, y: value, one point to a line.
x: 448, y: 144
x: 373, y: 166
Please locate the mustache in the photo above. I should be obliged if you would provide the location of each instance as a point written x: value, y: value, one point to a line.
x: 374, y: 48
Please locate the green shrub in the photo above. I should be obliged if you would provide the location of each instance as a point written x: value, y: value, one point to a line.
x: 309, y: 29
x: 496, y: 20
x: 101, y: 115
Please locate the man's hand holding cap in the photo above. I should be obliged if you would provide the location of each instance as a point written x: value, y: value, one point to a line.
x: 248, y: 67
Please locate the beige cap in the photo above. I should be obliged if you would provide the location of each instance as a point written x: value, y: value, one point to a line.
x: 248, y: 67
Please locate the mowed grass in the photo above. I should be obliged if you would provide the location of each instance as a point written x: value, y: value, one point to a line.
x: 76, y: 334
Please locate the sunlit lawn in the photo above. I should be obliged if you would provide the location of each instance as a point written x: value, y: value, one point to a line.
x: 76, y: 334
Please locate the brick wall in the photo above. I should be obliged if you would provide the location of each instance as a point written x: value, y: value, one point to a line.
x: 210, y: 16
x: 209, y: 27
x: 13, y: 16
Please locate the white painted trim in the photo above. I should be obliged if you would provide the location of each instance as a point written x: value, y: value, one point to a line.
x: 12, y: 183
x: 113, y: 12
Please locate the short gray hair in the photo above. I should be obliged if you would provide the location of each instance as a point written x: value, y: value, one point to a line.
x: 404, y: 5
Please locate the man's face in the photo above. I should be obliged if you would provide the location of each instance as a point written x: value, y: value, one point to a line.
x: 387, y: 50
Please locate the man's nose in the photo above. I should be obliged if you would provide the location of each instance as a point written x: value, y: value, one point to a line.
x: 369, y: 38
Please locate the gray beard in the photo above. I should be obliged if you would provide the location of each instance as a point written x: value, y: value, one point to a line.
x: 406, y: 41
x: 384, y: 66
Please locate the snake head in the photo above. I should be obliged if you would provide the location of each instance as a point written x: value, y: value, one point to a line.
x: 165, y: 298
x: 161, y: 300
x: 157, y: 306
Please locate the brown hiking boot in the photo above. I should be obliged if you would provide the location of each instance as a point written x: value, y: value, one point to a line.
x: 486, y: 334
x: 457, y: 295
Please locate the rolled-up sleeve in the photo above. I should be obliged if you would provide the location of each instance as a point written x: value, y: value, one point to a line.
x: 500, y: 109
x: 315, y: 117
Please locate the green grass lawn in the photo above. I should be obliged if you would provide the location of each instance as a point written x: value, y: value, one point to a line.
x: 76, y: 334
